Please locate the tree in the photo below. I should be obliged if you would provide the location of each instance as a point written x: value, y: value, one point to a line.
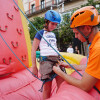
x: 66, y: 33
x: 93, y: 3
x: 63, y: 32
x: 38, y: 22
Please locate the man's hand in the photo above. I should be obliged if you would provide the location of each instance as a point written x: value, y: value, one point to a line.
x: 64, y: 64
x: 57, y: 69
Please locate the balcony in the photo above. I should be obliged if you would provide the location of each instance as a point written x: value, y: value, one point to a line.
x: 45, y: 7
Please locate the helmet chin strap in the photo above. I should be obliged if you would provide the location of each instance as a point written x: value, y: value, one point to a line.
x: 86, y: 37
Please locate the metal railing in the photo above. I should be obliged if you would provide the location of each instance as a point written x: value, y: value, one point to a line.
x: 44, y: 7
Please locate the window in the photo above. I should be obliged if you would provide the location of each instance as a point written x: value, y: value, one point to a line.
x: 57, y: 1
x: 33, y: 7
x: 42, y: 4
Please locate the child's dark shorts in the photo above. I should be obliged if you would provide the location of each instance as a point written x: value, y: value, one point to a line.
x: 46, y: 67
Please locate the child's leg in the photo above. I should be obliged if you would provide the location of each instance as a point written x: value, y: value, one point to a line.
x: 59, y: 80
x: 47, y: 90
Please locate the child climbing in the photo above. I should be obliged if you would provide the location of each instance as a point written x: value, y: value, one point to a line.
x: 48, y: 57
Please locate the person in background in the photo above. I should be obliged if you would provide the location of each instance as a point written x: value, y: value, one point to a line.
x: 59, y: 49
x: 48, y: 57
x: 84, y: 24
x: 70, y: 49
x: 76, y: 50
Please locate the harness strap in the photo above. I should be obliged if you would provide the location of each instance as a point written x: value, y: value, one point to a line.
x: 88, y: 52
x: 47, y: 80
x: 96, y: 89
x: 45, y: 58
x: 86, y: 37
x: 42, y: 58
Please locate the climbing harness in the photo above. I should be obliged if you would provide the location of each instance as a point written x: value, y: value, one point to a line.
x: 96, y: 89
x: 46, y: 80
x: 42, y: 58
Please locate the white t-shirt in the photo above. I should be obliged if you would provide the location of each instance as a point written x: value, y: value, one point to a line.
x: 45, y: 48
x: 70, y: 50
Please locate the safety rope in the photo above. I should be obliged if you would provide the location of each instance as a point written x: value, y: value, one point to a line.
x: 24, y: 65
x: 17, y: 57
x: 48, y: 44
x: 46, y: 40
x: 54, y: 50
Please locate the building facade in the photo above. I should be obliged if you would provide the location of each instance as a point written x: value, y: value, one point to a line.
x: 35, y: 8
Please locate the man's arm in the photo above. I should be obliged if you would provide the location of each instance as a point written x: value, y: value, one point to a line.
x: 86, y: 83
x: 77, y: 67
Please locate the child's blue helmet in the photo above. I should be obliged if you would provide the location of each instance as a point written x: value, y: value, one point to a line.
x: 53, y: 16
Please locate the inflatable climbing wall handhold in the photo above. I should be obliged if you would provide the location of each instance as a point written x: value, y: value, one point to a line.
x: 14, y: 30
